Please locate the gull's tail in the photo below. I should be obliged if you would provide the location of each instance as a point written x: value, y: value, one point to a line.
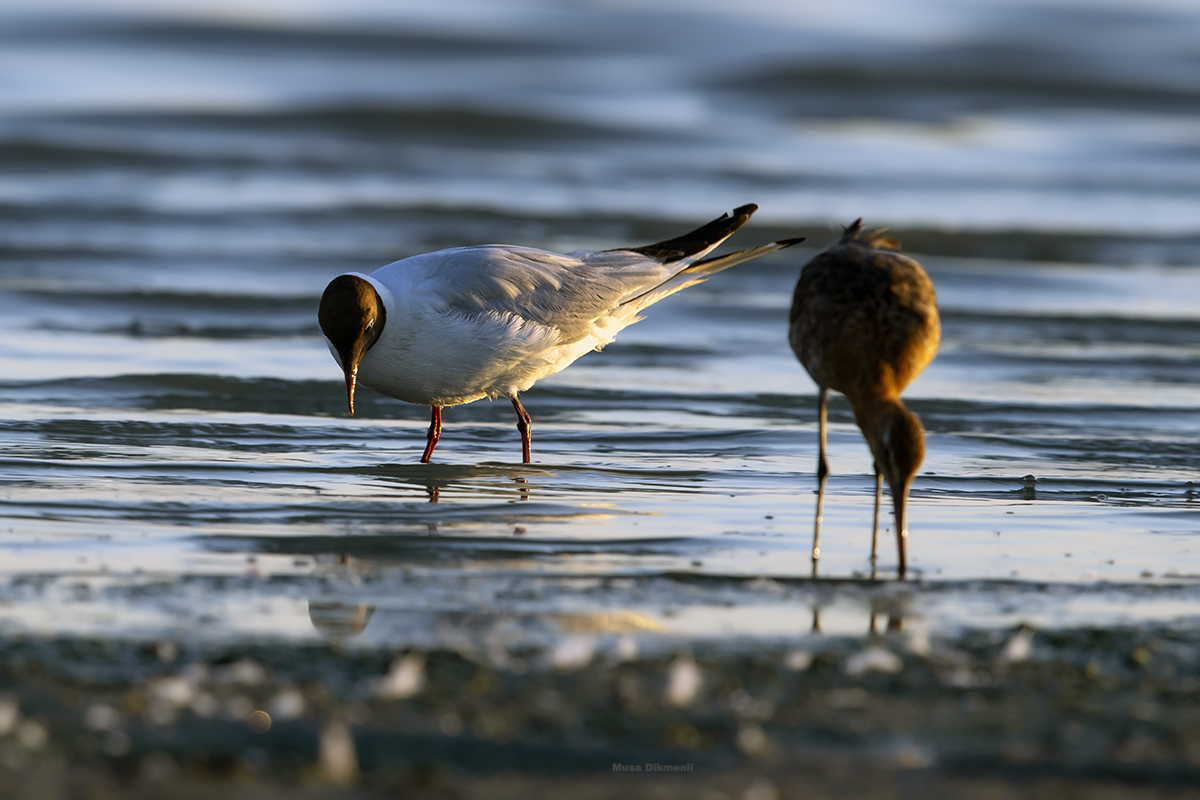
x: 710, y: 266
x: 699, y: 271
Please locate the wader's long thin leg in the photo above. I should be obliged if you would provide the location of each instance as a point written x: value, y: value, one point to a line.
x: 875, y: 524
x: 822, y: 475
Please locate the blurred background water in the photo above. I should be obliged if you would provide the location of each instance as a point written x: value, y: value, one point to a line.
x: 179, y: 182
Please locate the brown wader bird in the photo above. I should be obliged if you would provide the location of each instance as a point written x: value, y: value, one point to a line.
x: 864, y: 322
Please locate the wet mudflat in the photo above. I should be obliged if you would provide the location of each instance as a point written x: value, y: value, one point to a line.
x: 1095, y: 712
x: 214, y: 582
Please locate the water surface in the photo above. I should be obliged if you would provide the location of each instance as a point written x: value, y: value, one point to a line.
x: 177, y: 186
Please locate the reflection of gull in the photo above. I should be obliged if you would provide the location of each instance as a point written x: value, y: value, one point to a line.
x: 455, y: 326
x: 339, y: 621
x: 864, y: 322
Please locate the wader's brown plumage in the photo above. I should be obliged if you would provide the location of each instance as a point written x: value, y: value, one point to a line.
x: 864, y: 322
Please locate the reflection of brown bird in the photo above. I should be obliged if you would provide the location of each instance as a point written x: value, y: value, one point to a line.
x: 864, y: 322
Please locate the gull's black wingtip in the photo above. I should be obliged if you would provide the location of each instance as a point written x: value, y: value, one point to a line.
x: 700, y: 240
x: 790, y: 242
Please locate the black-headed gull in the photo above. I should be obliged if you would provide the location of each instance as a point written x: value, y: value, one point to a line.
x: 454, y: 326
x: 864, y: 322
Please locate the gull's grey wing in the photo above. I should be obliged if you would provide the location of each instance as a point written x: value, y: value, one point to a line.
x: 567, y: 292
x: 572, y: 293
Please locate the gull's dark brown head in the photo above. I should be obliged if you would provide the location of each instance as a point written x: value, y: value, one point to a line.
x: 352, y: 318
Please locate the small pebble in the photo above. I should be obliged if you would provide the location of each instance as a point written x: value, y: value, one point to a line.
x: 259, y: 721
x: 573, y: 652
x: 405, y: 678
x: 873, y: 659
x: 1018, y: 647
x: 683, y: 681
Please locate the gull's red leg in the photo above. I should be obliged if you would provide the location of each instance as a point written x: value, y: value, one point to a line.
x: 435, y: 433
x: 524, y: 425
